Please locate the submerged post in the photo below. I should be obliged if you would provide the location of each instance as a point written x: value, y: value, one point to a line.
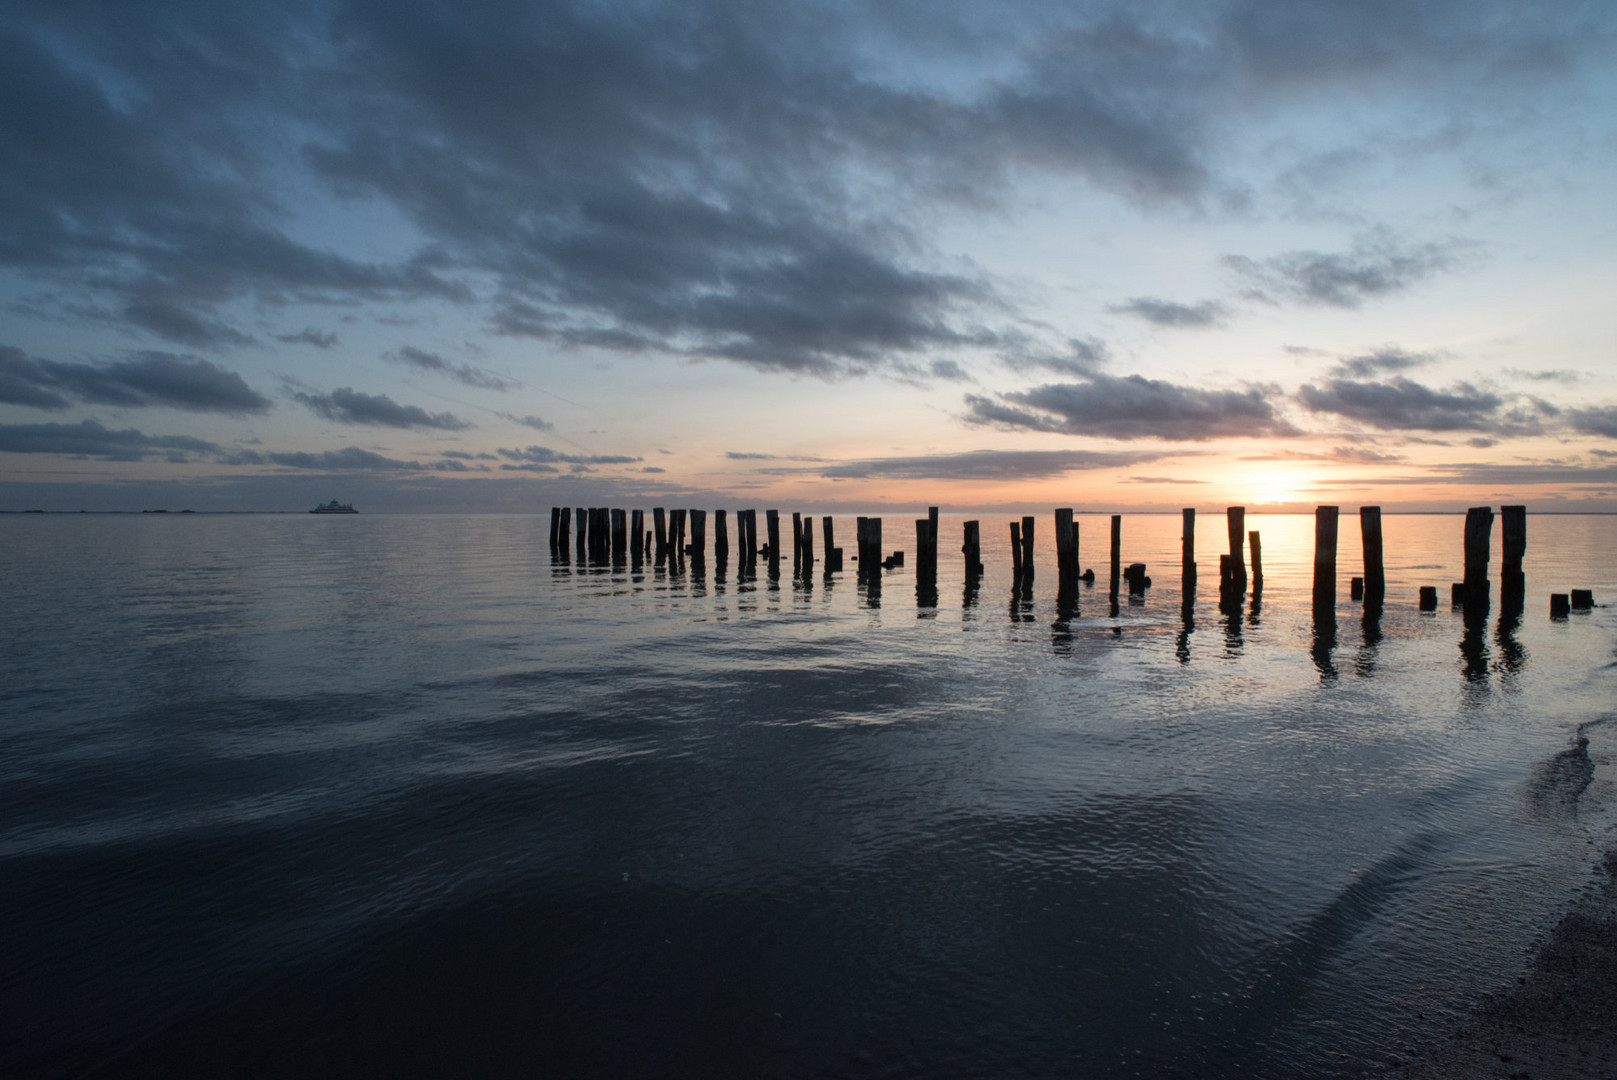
x: 1236, y: 520
x: 1256, y: 544
x: 1375, y: 575
x: 1325, y: 522
x: 1478, y: 526
x: 1187, y: 550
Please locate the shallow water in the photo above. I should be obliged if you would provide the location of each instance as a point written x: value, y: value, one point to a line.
x: 404, y: 794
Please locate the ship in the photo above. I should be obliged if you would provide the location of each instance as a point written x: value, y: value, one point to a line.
x: 334, y: 507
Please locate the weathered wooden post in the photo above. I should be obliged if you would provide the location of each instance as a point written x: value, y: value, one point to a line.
x: 620, y: 535
x: 926, y: 555
x: 676, y: 534
x: 721, y: 536
x: 637, y: 534
x: 1478, y: 526
x: 1236, y: 520
x: 772, y: 521
x: 1256, y: 544
x: 1582, y: 599
x: 1560, y: 605
x: 833, y: 554
x: 1016, y: 549
x: 583, y: 533
x: 972, y: 548
x: 698, y: 534
x: 565, y: 534
x: 659, y: 526
x: 1375, y: 574
x: 1066, y: 568
x: 555, y: 525
x: 1117, y: 552
x: 1325, y: 522
x: 1356, y: 588
x: 1027, y: 546
x: 1187, y: 550
x: 1513, y: 542
x: 1428, y: 597
x: 806, y: 548
x: 797, y: 543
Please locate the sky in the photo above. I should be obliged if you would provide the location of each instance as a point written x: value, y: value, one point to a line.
x: 489, y: 256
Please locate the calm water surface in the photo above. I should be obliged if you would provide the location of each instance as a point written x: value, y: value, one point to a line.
x: 402, y: 795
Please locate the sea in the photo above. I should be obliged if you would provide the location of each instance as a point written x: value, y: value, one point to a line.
x: 391, y: 795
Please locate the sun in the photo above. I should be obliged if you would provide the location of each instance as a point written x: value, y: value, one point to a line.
x: 1273, y: 486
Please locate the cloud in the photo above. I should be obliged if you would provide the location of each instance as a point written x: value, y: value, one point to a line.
x: 1168, y: 313
x: 1402, y: 404
x: 348, y: 406
x: 1006, y: 465
x: 736, y: 455
x: 538, y: 423
x: 1159, y: 480
x: 320, y: 339
x: 544, y: 455
x: 91, y: 439
x: 1389, y: 358
x: 146, y: 379
x: 349, y: 458
x: 1084, y: 356
x: 1378, y: 265
x: 748, y: 183
x: 466, y: 374
x: 1133, y: 407
x: 1560, y: 375
x: 1599, y: 420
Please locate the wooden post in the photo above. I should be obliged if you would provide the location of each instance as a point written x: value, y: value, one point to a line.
x: 923, y: 532
x: 721, y: 536
x: 555, y: 525
x: 1375, y: 575
x: 1016, y: 549
x: 833, y: 556
x: 874, y: 527
x: 1027, y: 546
x: 659, y: 524
x: 806, y: 548
x: 1428, y: 597
x: 797, y: 543
x: 1560, y: 605
x: 698, y: 534
x: 1066, y: 570
x: 1356, y: 588
x: 637, y: 532
x: 565, y: 535
x: 1513, y: 541
x: 1325, y: 521
x: 1117, y: 552
x: 772, y: 521
x: 972, y: 547
x: 1236, y: 520
x: 1582, y: 599
x: 1187, y: 550
x: 1478, y: 526
x: 1256, y: 543
x: 676, y: 533
x: 620, y: 535
x: 583, y: 534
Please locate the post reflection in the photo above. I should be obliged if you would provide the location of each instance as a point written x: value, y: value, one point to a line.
x: 1187, y: 626
x: 1324, y: 642
x: 1473, y: 643
x: 1364, y: 663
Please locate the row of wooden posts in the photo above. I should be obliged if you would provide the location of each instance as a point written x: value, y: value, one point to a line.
x: 615, y: 535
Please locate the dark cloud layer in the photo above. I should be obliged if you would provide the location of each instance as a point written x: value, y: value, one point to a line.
x: 1403, y: 404
x: 90, y: 439
x: 466, y: 374
x: 1005, y: 465
x: 1132, y: 407
x: 1168, y: 313
x: 148, y: 378
x: 348, y: 406
x: 743, y: 182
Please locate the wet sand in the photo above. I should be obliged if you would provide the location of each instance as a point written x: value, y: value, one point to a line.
x: 1560, y: 1020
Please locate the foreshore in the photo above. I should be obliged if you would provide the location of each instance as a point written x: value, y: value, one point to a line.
x: 1559, y: 1021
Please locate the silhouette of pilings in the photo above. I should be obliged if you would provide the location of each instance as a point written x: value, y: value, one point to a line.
x: 1255, y: 542
x: 1235, y: 519
x: 637, y: 535
x: 1016, y: 549
x: 620, y: 536
x: 561, y: 542
x: 833, y: 554
x: 747, y: 522
x: 1117, y: 556
x: 803, y: 548
x: 1512, y: 583
x: 1325, y: 530
x: 772, y: 520
x: 1187, y: 551
x: 555, y: 525
x: 868, y: 531
x: 583, y: 534
x: 1027, y: 547
x: 1066, y: 552
x: 698, y: 519
x: 972, y: 547
x: 721, y: 537
x: 1375, y: 574
x: 1478, y: 526
x: 659, y: 530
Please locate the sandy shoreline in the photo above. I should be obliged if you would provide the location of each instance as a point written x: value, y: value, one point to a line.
x: 1560, y: 1020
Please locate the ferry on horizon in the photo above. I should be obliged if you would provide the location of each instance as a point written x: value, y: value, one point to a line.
x: 334, y: 507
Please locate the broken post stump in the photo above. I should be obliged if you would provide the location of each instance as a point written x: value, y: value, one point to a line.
x: 1428, y: 597
x: 1117, y: 552
x: 1583, y: 599
x: 1256, y: 543
x: 1560, y: 605
x: 1478, y: 526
